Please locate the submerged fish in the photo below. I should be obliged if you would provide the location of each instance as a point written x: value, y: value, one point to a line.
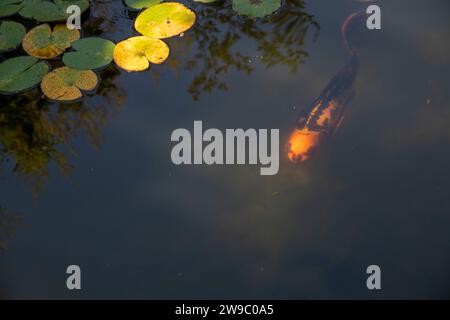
x: 327, y: 112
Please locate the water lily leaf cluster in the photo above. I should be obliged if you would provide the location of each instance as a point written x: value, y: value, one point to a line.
x: 41, y: 10
x: 81, y: 56
x: 11, y: 35
x: 158, y: 21
x: 256, y: 8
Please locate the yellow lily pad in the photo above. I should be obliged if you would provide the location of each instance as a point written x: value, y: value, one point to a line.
x: 45, y: 43
x: 165, y: 20
x: 66, y: 84
x: 136, y: 54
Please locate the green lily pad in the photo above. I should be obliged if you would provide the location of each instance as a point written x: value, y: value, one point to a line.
x: 21, y: 73
x: 50, y: 11
x: 10, y: 7
x: 165, y: 20
x: 140, y: 4
x: 90, y: 54
x: 66, y: 84
x: 256, y: 8
x: 11, y: 35
x: 136, y: 54
x: 42, y: 42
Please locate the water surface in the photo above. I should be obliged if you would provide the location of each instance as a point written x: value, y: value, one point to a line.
x: 140, y: 227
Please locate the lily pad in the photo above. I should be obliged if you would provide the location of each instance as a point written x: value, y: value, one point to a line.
x: 10, y: 7
x: 42, y: 42
x: 21, y: 73
x: 140, y: 4
x: 11, y: 35
x: 50, y: 11
x: 66, y: 84
x: 90, y: 54
x: 136, y: 54
x: 165, y: 20
x: 256, y: 8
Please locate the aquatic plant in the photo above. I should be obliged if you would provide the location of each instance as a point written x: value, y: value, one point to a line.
x: 256, y: 8
x: 11, y: 35
x: 90, y: 54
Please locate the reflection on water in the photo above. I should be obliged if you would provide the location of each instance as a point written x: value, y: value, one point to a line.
x: 279, y: 40
x: 8, y: 222
x: 34, y: 133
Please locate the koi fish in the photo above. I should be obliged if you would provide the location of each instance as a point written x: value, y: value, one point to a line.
x: 326, y: 113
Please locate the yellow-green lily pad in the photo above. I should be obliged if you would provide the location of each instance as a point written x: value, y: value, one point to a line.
x: 50, y: 10
x: 136, y: 54
x: 256, y: 8
x: 42, y: 42
x: 90, y: 54
x: 21, y: 73
x: 165, y: 20
x: 66, y: 84
x: 11, y: 35
x: 10, y: 7
x: 140, y: 4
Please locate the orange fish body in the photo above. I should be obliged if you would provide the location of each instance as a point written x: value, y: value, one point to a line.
x: 327, y: 112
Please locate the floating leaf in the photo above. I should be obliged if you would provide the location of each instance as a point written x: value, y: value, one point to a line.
x: 66, y: 84
x: 135, y: 54
x: 140, y: 4
x: 11, y: 35
x: 10, y: 7
x: 256, y: 8
x: 165, y: 20
x: 90, y: 54
x: 42, y: 42
x: 21, y: 73
x: 49, y: 11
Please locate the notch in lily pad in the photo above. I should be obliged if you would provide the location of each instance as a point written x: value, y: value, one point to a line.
x: 21, y: 73
x: 256, y: 8
x: 141, y: 4
x: 165, y: 20
x: 11, y: 35
x: 45, y: 43
x: 136, y: 54
x: 90, y: 54
x: 50, y: 10
x: 67, y: 85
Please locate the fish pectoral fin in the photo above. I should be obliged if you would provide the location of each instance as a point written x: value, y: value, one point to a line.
x: 339, y: 124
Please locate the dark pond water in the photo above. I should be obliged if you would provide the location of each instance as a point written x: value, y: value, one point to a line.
x: 92, y: 183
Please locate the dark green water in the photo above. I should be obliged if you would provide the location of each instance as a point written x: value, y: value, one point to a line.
x: 140, y: 227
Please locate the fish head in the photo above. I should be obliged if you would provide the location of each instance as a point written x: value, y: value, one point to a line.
x: 302, y: 143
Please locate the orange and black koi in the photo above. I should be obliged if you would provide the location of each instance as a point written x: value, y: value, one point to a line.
x: 327, y: 111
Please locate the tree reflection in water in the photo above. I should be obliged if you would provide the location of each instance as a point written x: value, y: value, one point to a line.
x: 279, y: 40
